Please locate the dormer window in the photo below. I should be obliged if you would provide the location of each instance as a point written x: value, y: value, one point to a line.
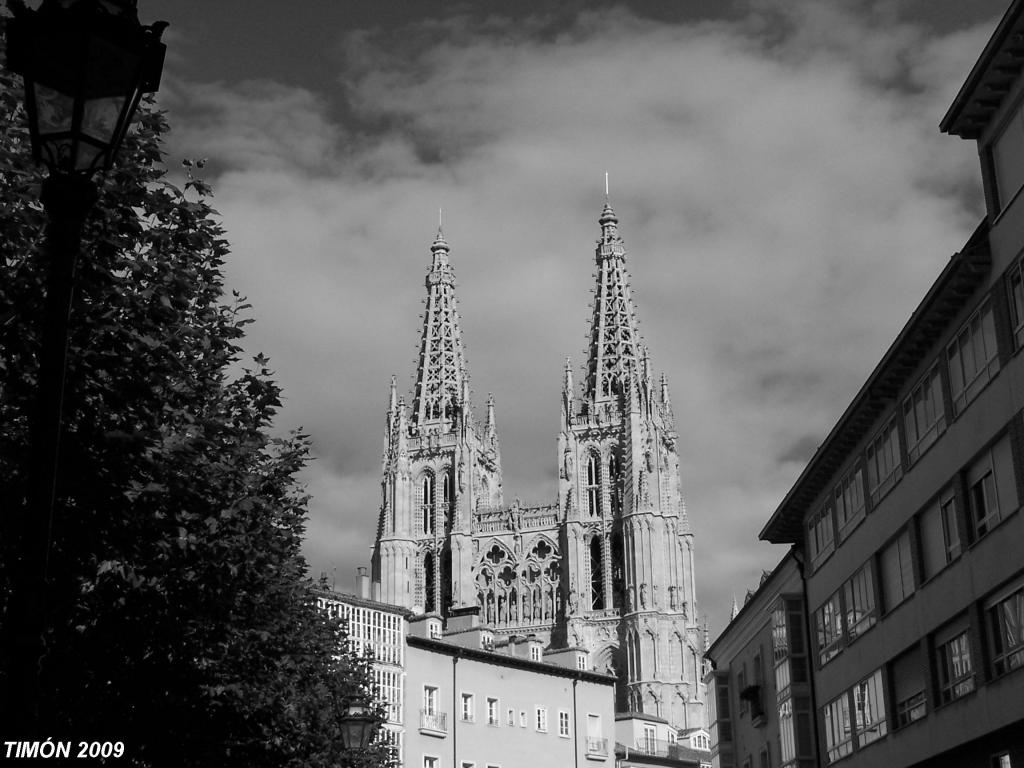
x: 434, y: 628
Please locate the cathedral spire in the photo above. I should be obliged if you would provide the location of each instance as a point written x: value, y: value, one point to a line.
x: 441, y: 370
x: 615, y: 350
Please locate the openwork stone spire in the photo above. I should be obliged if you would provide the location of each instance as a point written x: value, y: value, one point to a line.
x: 614, y: 341
x: 441, y: 370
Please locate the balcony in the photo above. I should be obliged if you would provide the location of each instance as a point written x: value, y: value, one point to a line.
x: 597, y: 748
x: 433, y: 723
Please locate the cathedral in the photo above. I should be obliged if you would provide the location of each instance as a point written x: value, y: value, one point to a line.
x: 608, y: 566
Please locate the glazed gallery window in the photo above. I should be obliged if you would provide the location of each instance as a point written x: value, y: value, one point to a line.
x: 883, y: 460
x: 859, y: 600
x: 1006, y: 628
x: 956, y: 671
x: 828, y: 621
x: 869, y: 705
x: 924, y: 415
x: 908, y: 683
x: 820, y: 534
x: 897, y: 571
x: 939, y: 532
x: 1015, y: 287
x: 849, y: 498
x: 973, y: 357
x: 838, y: 734
x: 991, y: 489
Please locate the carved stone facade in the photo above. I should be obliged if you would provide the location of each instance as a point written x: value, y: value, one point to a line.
x: 609, y: 567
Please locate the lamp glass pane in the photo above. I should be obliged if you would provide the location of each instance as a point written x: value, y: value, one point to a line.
x: 89, y: 156
x: 54, y: 109
x: 100, y: 117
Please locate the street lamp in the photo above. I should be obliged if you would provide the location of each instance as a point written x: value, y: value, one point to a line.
x: 358, y: 725
x: 86, y: 65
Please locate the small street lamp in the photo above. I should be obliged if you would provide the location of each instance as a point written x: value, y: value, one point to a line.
x: 358, y: 725
x: 86, y: 65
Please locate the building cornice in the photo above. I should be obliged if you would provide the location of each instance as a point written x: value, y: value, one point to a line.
x: 991, y: 78
x: 947, y: 296
x: 515, y: 662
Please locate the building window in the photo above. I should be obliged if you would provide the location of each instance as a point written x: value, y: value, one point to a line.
x: 973, y: 357
x: 765, y: 759
x: 908, y: 684
x: 838, y: 735
x: 897, y: 571
x: 523, y: 720
x: 542, y: 718
x: 581, y: 661
x: 820, y: 535
x: 534, y: 653
x: 614, y: 494
x: 427, y: 503
x: 883, y: 460
x: 849, y: 498
x: 510, y: 718
x: 563, y: 723
x: 1006, y: 624
x: 1002, y: 760
x: 939, y: 534
x: 468, y: 764
x: 1015, y: 285
x: 859, y: 596
x: 1008, y: 160
x: 593, y: 489
x: 956, y: 672
x: 429, y: 761
x: 492, y: 711
x: 869, y: 705
x: 467, y: 707
x: 924, y: 415
x: 829, y: 623
x: 649, y: 741
x: 741, y: 684
x: 429, y: 700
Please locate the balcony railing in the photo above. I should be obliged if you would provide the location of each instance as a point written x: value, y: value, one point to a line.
x: 435, y: 723
x: 597, y: 746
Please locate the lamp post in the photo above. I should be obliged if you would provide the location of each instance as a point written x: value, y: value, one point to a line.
x: 86, y: 65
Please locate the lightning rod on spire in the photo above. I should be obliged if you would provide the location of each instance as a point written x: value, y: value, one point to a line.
x: 606, y: 183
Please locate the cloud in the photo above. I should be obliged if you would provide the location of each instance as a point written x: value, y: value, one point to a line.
x: 783, y: 190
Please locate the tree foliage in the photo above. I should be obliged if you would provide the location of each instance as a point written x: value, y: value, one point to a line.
x: 180, y: 618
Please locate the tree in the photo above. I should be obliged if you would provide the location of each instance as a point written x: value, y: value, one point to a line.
x: 180, y: 618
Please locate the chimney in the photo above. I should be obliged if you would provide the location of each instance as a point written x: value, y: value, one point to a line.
x: 364, y: 583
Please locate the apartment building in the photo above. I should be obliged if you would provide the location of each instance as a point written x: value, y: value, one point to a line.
x: 759, y: 681
x: 475, y: 703
x: 908, y: 513
x: 378, y: 630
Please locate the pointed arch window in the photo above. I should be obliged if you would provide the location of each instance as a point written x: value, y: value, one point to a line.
x: 427, y: 503
x: 429, y: 583
x: 593, y: 487
x: 596, y: 574
x: 446, y: 497
x: 614, y: 484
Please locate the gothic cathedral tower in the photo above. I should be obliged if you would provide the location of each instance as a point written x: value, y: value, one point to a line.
x: 609, y: 567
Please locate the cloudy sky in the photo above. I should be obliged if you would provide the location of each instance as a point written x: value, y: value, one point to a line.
x: 783, y: 190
